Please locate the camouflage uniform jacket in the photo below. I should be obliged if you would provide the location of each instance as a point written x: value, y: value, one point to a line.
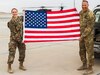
x: 87, y: 20
x: 15, y: 25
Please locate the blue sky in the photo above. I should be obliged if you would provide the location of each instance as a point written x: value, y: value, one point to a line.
x: 7, y: 5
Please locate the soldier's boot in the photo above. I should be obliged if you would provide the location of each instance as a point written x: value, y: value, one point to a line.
x: 21, y: 67
x: 83, y: 67
x: 10, y: 69
x: 88, y: 71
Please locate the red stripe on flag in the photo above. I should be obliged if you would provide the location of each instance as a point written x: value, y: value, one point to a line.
x: 64, y: 21
x: 65, y: 26
x: 64, y: 16
x: 64, y: 31
x: 67, y: 36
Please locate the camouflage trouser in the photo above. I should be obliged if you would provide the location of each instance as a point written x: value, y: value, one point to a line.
x: 12, y: 50
x: 86, y: 48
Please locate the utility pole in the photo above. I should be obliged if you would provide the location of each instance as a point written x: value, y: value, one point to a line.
x: 74, y: 3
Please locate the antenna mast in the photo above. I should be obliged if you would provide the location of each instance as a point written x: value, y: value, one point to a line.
x: 74, y: 3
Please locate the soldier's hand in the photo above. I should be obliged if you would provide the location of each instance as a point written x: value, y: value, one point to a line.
x: 81, y: 38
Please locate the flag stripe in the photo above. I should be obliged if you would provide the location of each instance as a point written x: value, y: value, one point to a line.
x: 39, y: 39
x: 67, y: 36
x: 52, y: 34
x: 34, y: 40
x: 62, y: 24
x: 64, y: 21
x: 52, y: 29
x: 65, y: 31
x: 63, y: 16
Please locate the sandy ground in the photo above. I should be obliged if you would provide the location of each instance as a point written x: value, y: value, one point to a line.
x: 57, y: 58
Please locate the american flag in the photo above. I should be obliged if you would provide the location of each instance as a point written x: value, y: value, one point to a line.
x: 48, y: 26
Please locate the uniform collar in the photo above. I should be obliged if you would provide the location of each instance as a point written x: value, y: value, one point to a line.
x: 85, y: 11
x: 15, y: 17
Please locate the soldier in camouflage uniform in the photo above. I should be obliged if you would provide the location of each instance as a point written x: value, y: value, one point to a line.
x: 86, y: 43
x: 15, y: 25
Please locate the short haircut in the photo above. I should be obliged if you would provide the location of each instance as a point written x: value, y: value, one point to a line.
x: 14, y: 9
x: 85, y: 1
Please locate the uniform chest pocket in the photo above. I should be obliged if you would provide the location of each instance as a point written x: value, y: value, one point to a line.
x: 86, y: 18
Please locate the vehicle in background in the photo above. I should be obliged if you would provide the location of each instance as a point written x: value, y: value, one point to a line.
x: 97, y: 31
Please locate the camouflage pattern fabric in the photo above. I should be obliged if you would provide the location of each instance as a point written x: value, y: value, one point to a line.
x: 86, y: 43
x: 15, y: 25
